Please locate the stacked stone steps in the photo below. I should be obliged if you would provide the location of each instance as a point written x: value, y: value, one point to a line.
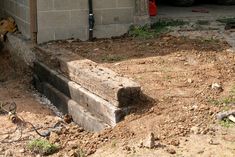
x: 96, y: 97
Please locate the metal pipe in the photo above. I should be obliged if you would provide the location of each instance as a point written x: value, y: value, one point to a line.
x: 91, y: 19
x: 33, y: 20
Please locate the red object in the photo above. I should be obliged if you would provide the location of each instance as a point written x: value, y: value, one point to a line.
x: 152, y: 8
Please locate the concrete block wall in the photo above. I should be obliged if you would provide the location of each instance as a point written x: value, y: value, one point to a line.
x: 19, y: 10
x: 63, y: 19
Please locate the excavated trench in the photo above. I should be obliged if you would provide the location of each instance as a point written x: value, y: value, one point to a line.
x: 96, y: 97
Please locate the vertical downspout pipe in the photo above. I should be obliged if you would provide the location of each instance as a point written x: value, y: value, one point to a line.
x: 91, y: 19
x: 33, y: 20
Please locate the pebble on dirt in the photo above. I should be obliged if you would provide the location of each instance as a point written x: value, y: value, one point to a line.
x: 171, y: 151
x: 217, y: 86
x: 149, y: 142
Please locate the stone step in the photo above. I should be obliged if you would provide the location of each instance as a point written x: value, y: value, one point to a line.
x: 96, y: 105
x: 80, y: 115
x: 118, y: 90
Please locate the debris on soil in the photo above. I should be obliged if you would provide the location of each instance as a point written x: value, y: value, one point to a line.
x: 231, y: 118
x: 171, y: 151
x: 226, y: 114
x: 175, y: 142
x: 195, y: 130
x: 149, y: 142
x: 217, y: 86
x: 212, y: 142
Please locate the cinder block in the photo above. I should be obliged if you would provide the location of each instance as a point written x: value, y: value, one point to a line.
x: 62, y: 4
x: 62, y: 33
x: 79, y: 32
x: 79, y: 18
x: 53, y: 19
x: 45, y: 35
x: 107, y: 31
x: 79, y: 4
x: 104, y: 4
x: 103, y: 82
x: 44, y: 5
x: 126, y: 3
x: 117, y: 16
x: 96, y: 105
x: 98, y: 17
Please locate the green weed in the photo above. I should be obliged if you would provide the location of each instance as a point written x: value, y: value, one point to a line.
x: 155, y: 29
x: 226, y: 123
x: 42, y: 146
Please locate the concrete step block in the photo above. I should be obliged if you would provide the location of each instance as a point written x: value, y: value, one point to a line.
x: 80, y: 115
x: 118, y: 90
x: 95, y: 104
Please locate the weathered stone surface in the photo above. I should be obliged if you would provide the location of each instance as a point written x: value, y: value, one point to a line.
x: 105, y: 83
x: 84, y: 118
x: 96, y: 105
x: 80, y: 115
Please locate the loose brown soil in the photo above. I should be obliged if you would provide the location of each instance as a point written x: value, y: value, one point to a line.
x: 176, y: 73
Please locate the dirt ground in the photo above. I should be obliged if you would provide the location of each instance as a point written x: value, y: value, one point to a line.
x: 177, y: 73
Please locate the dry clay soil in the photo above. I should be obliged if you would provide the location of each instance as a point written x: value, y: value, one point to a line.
x: 175, y: 73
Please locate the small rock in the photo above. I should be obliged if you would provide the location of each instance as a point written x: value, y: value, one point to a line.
x: 54, y: 138
x: 195, y: 130
x: 73, y: 144
x: 149, y: 142
x: 22, y: 150
x: 8, y: 153
x: 200, y: 152
x: 2, y: 149
x: 212, y: 142
x: 171, y: 151
x: 127, y: 148
x: 190, y: 81
x: 175, y: 142
x: 216, y: 86
x: 73, y: 153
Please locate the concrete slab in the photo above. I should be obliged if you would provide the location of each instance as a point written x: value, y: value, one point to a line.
x: 80, y: 115
x: 96, y: 105
x: 185, y: 13
x: 118, y: 90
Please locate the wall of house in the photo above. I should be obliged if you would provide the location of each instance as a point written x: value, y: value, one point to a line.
x: 1, y: 9
x: 63, y: 19
x: 19, y: 10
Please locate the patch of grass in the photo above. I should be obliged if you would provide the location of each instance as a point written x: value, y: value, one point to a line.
x: 226, y: 20
x: 42, y: 146
x: 159, y: 27
x: 141, y: 32
x: 203, y: 22
x: 162, y: 25
x: 225, y: 101
x: 226, y: 123
x: 211, y: 40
